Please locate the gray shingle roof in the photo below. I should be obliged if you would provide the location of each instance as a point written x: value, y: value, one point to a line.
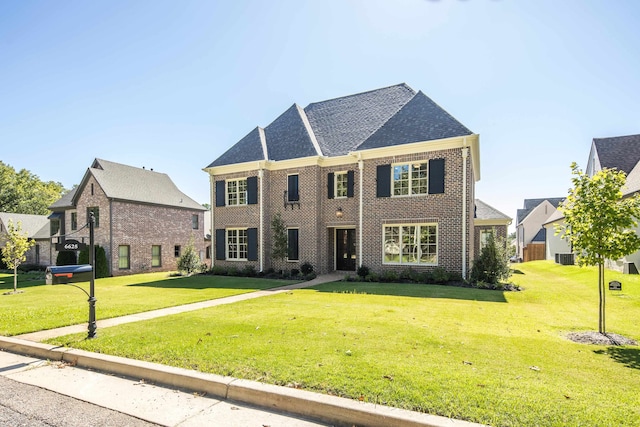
x: 36, y: 226
x: 620, y: 152
x: 132, y: 184
x: 531, y: 204
x: 288, y: 135
x: 383, y: 117
x: 541, y: 235
x: 484, y: 211
x: 420, y: 119
x: 248, y: 149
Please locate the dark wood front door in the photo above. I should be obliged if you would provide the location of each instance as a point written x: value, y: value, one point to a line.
x: 346, y: 249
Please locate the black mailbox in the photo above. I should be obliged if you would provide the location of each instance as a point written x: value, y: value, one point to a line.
x: 60, y: 275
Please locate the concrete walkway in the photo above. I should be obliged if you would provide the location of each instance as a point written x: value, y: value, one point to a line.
x: 170, y: 396
x: 58, y: 332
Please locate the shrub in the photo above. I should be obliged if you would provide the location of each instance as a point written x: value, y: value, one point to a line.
x: 310, y: 276
x: 233, y: 271
x: 363, y: 271
x: 31, y: 267
x: 219, y: 270
x: 389, y: 276
x: 440, y: 275
x: 102, y: 270
x: 249, y: 271
x: 492, y: 266
x: 306, y: 268
x: 189, y: 261
x: 295, y: 272
x: 66, y: 258
x: 372, y: 277
x: 406, y: 274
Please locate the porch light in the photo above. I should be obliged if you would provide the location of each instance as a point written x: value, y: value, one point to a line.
x: 339, y: 213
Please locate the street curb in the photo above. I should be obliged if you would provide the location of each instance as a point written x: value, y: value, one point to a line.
x: 324, y: 408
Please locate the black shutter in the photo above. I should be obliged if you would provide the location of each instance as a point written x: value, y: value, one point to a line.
x: 350, y: 179
x: 436, y: 176
x: 221, y: 244
x: 383, y: 181
x: 252, y: 190
x: 220, y: 193
x: 330, y: 177
x: 292, y: 188
x: 252, y: 244
x: 292, y: 244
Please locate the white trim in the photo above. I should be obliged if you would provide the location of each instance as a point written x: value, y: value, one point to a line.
x: 491, y: 222
x: 261, y: 221
x: 465, y: 153
x: 263, y: 142
x: 400, y: 225
x: 307, y: 126
x: 360, y: 211
x: 212, y: 186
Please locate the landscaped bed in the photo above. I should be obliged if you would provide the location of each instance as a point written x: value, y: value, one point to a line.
x: 499, y: 358
x: 44, y: 307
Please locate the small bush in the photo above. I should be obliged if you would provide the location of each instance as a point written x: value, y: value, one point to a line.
x: 372, y: 277
x: 233, y: 271
x: 406, y: 274
x: 25, y: 268
x: 306, y: 268
x: 219, y: 270
x: 492, y: 266
x: 66, y: 258
x: 440, y: 275
x: 249, y: 271
x: 363, y: 271
x: 295, y: 272
x: 389, y: 276
x: 102, y: 270
x: 310, y: 276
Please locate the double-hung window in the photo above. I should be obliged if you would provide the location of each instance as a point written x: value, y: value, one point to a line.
x: 410, y: 179
x: 124, y: 261
x: 237, y: 192
x: 485, y: 235
x: 341, y: 183
x: 237, y: 248
x: 156, y: 256
x: 74, y: 220
x: 412, y: 244
x: 293, y: 253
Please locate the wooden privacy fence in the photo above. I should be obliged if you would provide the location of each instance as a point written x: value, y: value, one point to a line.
x: 534, y: 252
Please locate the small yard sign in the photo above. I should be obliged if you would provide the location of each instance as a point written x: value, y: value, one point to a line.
x: 614, y: 285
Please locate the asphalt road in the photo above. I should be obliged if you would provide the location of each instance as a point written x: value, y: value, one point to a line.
x: 23, y: 405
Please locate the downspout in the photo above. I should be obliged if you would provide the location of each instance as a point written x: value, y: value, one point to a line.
x: 360, y: 210
x: 261, y: 232
x: 465, y: 153
x: 211, y: 197
x: 111, y: 237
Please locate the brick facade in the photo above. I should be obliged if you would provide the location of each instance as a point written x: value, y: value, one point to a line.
x: 316, y: 219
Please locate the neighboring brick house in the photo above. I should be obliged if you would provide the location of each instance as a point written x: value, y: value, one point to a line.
x: 530, y: 232
x: 384, y: 178
x: 37, y: 229
x: 143, y: 221
x: 489, y: 220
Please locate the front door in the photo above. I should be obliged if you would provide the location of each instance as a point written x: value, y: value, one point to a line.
x: 346, y: 249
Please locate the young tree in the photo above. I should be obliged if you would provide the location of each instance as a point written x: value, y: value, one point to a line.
x: 189, y: 261
x: 599, y: 223
x: 492, y: 266
x: 14, y: 250
x: 279, y: 249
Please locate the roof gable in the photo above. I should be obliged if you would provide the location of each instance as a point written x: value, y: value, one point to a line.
x: 619, y: 152
x: 248, y: 149
x: 418, y: 120
x: 485, y: 212
x: 287, y: 137
x: 531, y: 204
x: 30, y: 224
x: 341, y: 124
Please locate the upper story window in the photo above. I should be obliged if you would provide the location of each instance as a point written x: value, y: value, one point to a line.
x: 195, y: 222
x: 54, y: 226
x: 74, y: 220
x: 341, y: 183
x: 293, y: 194
x: 237, y: 192
x: 410, y: 179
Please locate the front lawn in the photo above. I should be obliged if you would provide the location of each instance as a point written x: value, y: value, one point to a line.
x: 44, y: 307
x: 499, y: 358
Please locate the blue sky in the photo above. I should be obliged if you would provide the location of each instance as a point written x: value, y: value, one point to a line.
x: 171, y: 85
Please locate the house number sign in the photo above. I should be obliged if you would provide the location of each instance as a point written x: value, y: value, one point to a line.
x: 70, y: 245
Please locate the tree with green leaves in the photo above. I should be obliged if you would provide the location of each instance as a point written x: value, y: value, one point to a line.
x: 189, y: 261
x: 23, y: 192
x: 15, y: 249
x: 599, y: 222
x: 279, y: 249
x: 492, y: 266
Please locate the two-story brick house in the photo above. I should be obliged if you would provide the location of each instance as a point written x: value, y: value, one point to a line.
x: 142, y: 220
x: 384, y: 178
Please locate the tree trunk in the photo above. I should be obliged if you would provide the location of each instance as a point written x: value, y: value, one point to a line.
x: 601, y: 290
x: 15, y: 279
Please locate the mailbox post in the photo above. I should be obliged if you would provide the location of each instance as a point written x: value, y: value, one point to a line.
x: 69, y: 274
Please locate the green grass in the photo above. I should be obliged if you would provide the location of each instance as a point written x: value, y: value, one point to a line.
x: 485, y: 356
x: 43, y: 306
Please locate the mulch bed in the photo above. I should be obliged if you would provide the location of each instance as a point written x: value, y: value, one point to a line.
x: 593, y: 337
